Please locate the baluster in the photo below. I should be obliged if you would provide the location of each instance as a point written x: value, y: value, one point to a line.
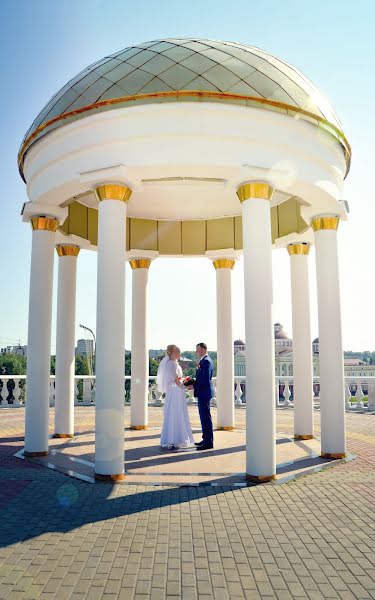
x: 86, y: 392
x: 213, y: 400
x: 277, y: 393
x: 16, y: 392
x: 93, y: 390
x: 52, y: 392
x: 348, y: 404
x: 286, y: 394
x: 4, y: 391
x: 371, y: 395
x: 359, y: 395
x: 238, y: 394
x: 76, y: 391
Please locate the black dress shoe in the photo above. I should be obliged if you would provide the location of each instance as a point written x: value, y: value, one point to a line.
x: 199, y: 443
x: 205, y: 447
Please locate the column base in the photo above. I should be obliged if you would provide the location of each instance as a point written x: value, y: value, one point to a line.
x: 138, y: 427
x: 333, y: 455
x: 110, y: 478
x: 304, y: 437
x: 228, y: 428
x: 35, y: 454
x: 260, y: 478
x: 63, y: 435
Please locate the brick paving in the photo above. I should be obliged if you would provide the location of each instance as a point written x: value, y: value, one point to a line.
x: 311, y: 538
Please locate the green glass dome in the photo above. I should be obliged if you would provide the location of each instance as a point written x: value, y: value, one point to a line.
x: 185, y: 69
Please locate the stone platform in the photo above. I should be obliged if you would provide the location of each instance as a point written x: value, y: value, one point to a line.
x: 147, y: 463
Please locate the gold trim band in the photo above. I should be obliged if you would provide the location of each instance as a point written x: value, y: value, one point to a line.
x: 263, y: 102
x: 227, y: 428
x: 140, y: 263
x: 260, y: 478
x: 67, y: 250
x: 333, y: 455
x: 113, y: 191
x: 304, y: 437
x: 224, y: 263
x: 255, y: 190
x: 110, y: 478
x: 329, y: 222
x: 63, y: 435
x: 300, y: 248
x: 44, y: 224
x: 138, y: 427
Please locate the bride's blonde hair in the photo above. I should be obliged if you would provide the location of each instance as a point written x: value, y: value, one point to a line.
x: 172, y: 348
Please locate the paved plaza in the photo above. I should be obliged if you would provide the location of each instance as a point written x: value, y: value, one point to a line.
x: 313, y: 537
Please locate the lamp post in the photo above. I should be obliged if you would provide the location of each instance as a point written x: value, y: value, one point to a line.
x: 94, y: 346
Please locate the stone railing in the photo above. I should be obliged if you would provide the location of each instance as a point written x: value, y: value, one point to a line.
x: 360, y: 391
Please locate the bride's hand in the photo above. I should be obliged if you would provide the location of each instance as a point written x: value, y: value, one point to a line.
x: 178, y: 381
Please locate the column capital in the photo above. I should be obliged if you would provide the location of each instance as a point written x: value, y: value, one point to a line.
x: 140, y: 263
x: 298, y: 248
x: 67, y: 250
x: 43, y: 223
x: 255, y: 190
x: 113, y: 191
x: 327, y: 222
x: 224, y: 263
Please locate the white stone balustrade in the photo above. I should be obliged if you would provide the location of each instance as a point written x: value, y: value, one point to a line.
x: 358, y: 391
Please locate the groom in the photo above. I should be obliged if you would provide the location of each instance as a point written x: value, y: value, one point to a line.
x: 203, y: 390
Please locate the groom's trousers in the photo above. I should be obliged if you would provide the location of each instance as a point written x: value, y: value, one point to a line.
x: 206, y: 420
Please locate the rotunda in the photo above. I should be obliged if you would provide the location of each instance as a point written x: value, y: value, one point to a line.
x: 185, y: 147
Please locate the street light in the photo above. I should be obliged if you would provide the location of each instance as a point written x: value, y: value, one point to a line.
x: 94, y: 345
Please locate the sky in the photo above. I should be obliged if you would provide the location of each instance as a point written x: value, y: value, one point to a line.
x: 44, y: 43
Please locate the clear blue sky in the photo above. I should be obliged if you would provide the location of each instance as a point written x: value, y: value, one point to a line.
x: 46, y: 42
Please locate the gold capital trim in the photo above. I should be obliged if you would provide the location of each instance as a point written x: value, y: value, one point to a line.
x: 288, y: 109
x: 329, y: 222
x: 44, y: 224
x: 224, y: 263
x: 300, y: 248
x: 254, y: 190
x: 67, y: 250
x: 113, y: 191
x: 140, y: 263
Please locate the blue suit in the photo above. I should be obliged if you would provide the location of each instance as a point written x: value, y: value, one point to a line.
x: 204, y: 391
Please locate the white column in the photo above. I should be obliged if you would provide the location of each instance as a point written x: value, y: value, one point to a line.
x: 260, y: 352
x: 110, y: 332
x: 140, y: 360
x: 65, y: 341
x: 39, y: 336
x: 302, y: 349
x: 331, y: 356
x: 225, y: 357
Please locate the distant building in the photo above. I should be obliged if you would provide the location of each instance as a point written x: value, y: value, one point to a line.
x: 18, y: 350
x: 85, y: 348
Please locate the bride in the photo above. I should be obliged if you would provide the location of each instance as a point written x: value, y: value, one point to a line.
x: 176, y: 432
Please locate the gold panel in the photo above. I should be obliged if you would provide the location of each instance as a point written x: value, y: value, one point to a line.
x: 143, y: 234
x: 194, y: 237
x: 92, y: 226
x: 300, y: 248
x: 220, y: 233
x: 238, y: 241
x: 140, y: 263
x: 290, y: 220
x: 255, y: 189
x: 65, y: 226
x: 127, y: 235
x: 113, y: 191
x: 44, y: 224
x: 169, y: 237
x: 224, y: 263
x: 327, y: 222
x: 274, y: 223
x: 67, y: 250
x: 78, y: 219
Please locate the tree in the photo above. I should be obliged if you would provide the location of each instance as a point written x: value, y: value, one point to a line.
x: 12, y: 364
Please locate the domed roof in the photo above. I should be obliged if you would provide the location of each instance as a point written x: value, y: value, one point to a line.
x: 238, y: 343
x: 279, y: 332
x: 316, y: 341
x: 188, y: 69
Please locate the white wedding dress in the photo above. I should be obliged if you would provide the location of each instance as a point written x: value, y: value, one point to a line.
x: 176, y: 425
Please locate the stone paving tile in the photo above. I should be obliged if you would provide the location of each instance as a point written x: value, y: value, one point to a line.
x: 312, y: 538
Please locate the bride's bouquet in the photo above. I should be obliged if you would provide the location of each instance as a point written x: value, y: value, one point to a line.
x: 188, y: 381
